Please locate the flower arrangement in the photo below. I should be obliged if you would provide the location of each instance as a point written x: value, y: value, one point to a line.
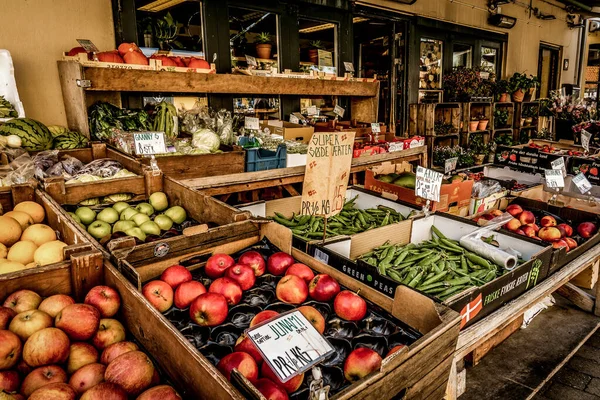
x: 564, y: 107
x: 461, y: 84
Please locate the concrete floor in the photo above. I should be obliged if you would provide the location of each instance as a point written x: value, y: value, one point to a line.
x: 521, y: 365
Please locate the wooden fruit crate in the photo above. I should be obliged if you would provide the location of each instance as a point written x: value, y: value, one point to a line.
x: 424, y: 117
x: 78, y: 275
x: 474, y: 109
x: 420, y: 370
x: 510, y: 108
x: 139, y: 187
x: 11, y: 195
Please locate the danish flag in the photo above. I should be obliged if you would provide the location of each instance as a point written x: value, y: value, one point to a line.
x: 471, y: 310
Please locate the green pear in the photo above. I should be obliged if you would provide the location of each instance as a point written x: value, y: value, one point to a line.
x: 86, y: 215
x: 119, y: 206
x: 177, y: 214
x: 136, y: 232
x: 145, y: 208
x: 122, y: 226
x: 108, y: 215
x: 127, y: 213
x: 139, y: 219
x: 159, y: 201
x: 150, y: 228
x: 75, y: 217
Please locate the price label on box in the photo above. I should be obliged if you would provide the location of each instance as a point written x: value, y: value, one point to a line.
x: 395, y: 146
x: 312, y: 110
x: 375, y: 128
x: 251, y: 123
x: 88, y: 45
x: 554, y: 178
x: 585, y: 139
x: 450, y: 164
x: 294, y: 119
x: 348, y: 66
x: 149, y: 143
x: 559, y: 163
x: 290, y: 344
x: 337, y: 110
x: 428, y: 184
x: 582, y: 183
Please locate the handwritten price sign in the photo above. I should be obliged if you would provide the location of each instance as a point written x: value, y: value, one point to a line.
x: 554, y: 178
x: 328, y: 163
x: 428, y: 184
x: 149, y: 143
x: 585, y: 140
x: 582, y: 183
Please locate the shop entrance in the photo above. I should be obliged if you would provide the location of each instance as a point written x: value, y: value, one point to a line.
x: 548, y: 69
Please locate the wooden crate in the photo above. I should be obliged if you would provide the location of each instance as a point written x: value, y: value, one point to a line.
x: 139, y: 186
x: 423, y: 118
x: 420, y: 370
x: 508, y: 107
x: 471, y: 110
x: 588, y: 278
x: 11, y: 195
x: 86, y: 270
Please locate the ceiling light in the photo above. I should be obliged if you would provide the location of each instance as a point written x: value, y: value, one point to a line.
x: 159, y: 5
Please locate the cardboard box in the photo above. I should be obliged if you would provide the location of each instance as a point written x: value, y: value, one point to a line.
x: 506, y: 174
x: 295, y: 160
x: 455, y: 198
x: 415, y: 141
x: 288, y: 130
x: 481, y: 204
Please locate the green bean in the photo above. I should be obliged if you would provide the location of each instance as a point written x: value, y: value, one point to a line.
x: 478, y: 260
x: 437, y: 232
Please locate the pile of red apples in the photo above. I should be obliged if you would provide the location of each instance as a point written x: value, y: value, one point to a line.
x: 56, y: 349
x: 298, y: 283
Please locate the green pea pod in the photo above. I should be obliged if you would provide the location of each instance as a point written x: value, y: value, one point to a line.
x: 436, y: 278
x: 394, y: 275
x: 424, y: 287
x: 409, y: 277
x: 478, y: 260
x: 450, y: 292
x: 428, y: 260
x: 414, y: 282
x: 459, y: 281
x: 403, y: 254
x: 437, y: 232
x: 284, y: 222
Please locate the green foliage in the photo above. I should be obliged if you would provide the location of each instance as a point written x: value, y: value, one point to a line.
x: 263, y: 38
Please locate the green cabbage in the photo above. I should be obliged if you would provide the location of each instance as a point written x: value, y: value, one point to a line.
x: 113, y: 198
x: 90, y: 202
x: 206, y: 139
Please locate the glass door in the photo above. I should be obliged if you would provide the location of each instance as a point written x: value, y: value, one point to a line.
x: 548, y: 71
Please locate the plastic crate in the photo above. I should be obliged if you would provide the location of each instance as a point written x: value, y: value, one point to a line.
x: 258, y: 159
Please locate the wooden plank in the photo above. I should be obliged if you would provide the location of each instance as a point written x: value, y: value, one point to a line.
x: 125, y: 80
x: 87, y: 271
x: 577, y: 296
x: 46, y: 280
x: 365, y: 109
x: 495, y: 340
x: 588, y: 278
x: 69, y: 73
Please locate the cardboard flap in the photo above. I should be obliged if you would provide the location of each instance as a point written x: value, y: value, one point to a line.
x: 390, y: 196
x: 415, y: 309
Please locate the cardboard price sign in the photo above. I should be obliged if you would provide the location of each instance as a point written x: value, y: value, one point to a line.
x: 251, y: 123
x: 337, y: 110
x: 312, y: 110
x: 375, y: 128
x: 294, y: 119
x: 290, y: 344
x: 251, y: 61
x: 149, y: 143
x: 450, y: 164
x: 554, y: 178
x: 428, y: 184
x: 348, y: 66
x: 328, y: 165
x: 585, y: 140
x: 559, y: 163
x: 582, y: 183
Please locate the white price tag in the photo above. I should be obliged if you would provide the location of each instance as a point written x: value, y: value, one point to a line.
x: 554, y: 178
x: 339, y: 111
x: 375, y: 128
x: 294, y: 119
x: 88, y: 45
x: 149, y: 143
x: 582, y: 183
x: 251, y: 61
x: 251, y: 123
x: 585, y: 139
x: 450, y: 164
x: 559, y: 163
x: 321, y: 256
x: 289, y: 344
x: 348, y: 66
x: 428, y: 184
x: 312, y: 110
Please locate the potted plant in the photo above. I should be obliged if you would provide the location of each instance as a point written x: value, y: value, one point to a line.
x: 501, y: 91
x: 491, y: 151
x: 483, y: 122
x: 461, y: 84
x: 478, y: 148
x: 500, y: 118
x: 263, y: 45
x: 313, y: 51
x: 473, y: 124
x: 520, y: 85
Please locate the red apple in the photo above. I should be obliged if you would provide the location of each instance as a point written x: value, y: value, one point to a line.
x: 6, y: 315
x: 586, y: 230
x: 54, y: 391
x: 42, y: 376
x: 547, y: 220
x: 270, y: 389
x: 323, y: 288
x: 29, y: 322
x: 105, y: 299
x: 314, y: 317
x: 514, y: 210
x: 241, y: 361
x: 54, y: 304
x: 161, y: 392
x: 529, y: 231
x: 263, y: 316
x: 187, y: 292
x: 567, y: 229
x: 105, y: 391
x: 79, y: 321
x: 209, y: 309
x: 87, y: 377
x: 110, y: 331
x: 560, y: 243
x: 10, y: 349
x: 526, y: 218
x: 242, y: 274
x: 9, y: 381
x: 278, y: 263
x: 159, y: 294
x: 360, y: 363
x: 292, y: 289
x: 572, y: 243
x: 22, y: 368
x: 115, y: 350
x: 350, y: 306
x: 254, y: 260
x: 80, y: 355
x: 245, y: 345
x: 217, y: 264
x: 228, y: 288
x: 45, y: 347
x: 394, y: 349
x: 175, y: 275
x: 513, y: 225
x: 301, y: 271
x: 290, y: 386
x: 549, y: 234
x: 133, y: 371
x: 23, y: 300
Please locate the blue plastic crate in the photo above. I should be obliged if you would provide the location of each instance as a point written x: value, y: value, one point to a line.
x: 258, y: 159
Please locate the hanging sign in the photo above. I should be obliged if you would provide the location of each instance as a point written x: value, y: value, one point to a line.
x: 88, y: 45
x: 428, y: 184
x: 582, y: 183
x: 559, y: 163
x: 554, y: 178
x: 328, y: 165
x: 348, y: 66
x: 289, y: 344
x: 251, y: 123
x: 149, y: 143
x: 337, y: 110
x: 450, y: 164
x: 585, y: 140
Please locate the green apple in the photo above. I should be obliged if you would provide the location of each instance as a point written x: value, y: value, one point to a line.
x: 136, y: 232
x: 75, y: 217
x: 86, y: 215
x: 140, y: 218
x: 165, y: 223
x: 177, y: 214
x: 159, y: 201
x: 145, y: 208
x: 150, y: 228
x: 122, y: 226
x: 108, y: 215
x: 119, y: 206
x: 99, y: 229
x: 127, y: 213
